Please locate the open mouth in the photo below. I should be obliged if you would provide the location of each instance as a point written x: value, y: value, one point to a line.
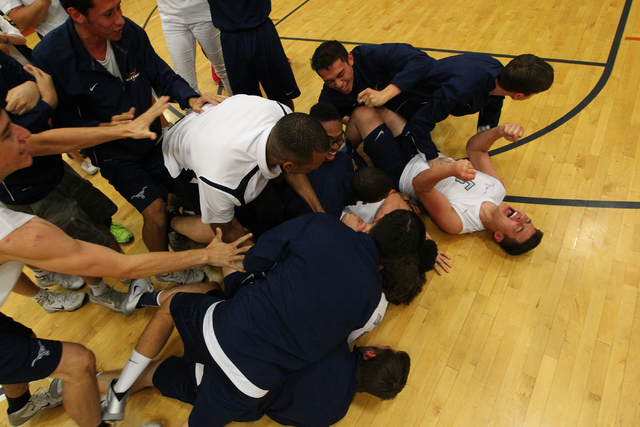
x: 511, y: 212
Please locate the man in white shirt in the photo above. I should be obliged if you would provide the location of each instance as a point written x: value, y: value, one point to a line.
x: 233, y: 150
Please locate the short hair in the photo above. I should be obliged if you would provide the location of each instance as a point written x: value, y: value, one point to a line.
x: 384, y: 375
x: 327, y: 53
x: 297, y: 136
x: 370, y: 184
x: 81, y: 6
x: 324, y: 112
x: 512, y: 247
x: 398, y: 234
x: 427, y: 256
x: 526, y: 74
x: 402, y: 279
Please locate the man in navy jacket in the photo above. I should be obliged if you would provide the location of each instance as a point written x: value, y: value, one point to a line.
x: 104, y: 70
x: 386, y: 75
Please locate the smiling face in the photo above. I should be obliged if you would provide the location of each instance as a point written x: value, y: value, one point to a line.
x: 339, y: 75
x: 104, y: 20
x: 13, y: 153
x: 510, y: 222
x: 336, y: 137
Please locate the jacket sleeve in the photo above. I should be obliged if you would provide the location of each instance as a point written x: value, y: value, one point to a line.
x: 403, y: 64
x: 490, y: 114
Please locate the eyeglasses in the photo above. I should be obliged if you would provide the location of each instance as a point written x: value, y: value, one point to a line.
x: 339, y: 140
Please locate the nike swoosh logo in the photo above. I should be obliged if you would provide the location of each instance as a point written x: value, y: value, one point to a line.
x: 289, y: 93
x: 93, y: 87
x: 379, y: 134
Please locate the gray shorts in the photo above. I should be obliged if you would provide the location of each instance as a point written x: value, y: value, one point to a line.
x: 75, y: 206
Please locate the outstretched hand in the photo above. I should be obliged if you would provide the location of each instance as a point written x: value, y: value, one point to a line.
x: 463, y: 169
x: 227, y: 254
x: 442, y: 263
x: 139, y: 128
x: 207, y: 98
x: 511, y: 131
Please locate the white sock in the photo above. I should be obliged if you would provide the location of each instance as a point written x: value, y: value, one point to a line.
x: 132, y: 370
x: 99, y: 289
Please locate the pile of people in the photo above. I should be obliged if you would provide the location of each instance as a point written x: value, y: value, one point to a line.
x: 272, y: 194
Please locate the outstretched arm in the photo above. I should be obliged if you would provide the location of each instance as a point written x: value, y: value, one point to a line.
x: 301, y: 185
x: 479, y: 145
x: 44, y: 245
x: 434, y: 201
x: 63, y: 140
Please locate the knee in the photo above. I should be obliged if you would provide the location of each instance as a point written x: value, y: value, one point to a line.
x: 77, y: 361
x: 364, y: 114
x: 155, y: 214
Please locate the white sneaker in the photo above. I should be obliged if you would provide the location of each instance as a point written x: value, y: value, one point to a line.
x: 137, y: 288
x: 45, y: 278
x: 112, y: 407
x: 112, y: 299
x: 55, y: 301
x: 183, y: 277
x: 48, y: 399
x: 89, y: 168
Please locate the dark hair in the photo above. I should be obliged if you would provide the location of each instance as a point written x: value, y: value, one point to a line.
x: 526, y: 74
x: 81, y: 6
x: 398, y: 234
x: 512, y: 247
x: 370, y: 184
x: 427, y: 256
x: 324, y: 112
x: 402, y: 279
x: 297, y: 136
x: 327, y: 53
x: 384, y: 375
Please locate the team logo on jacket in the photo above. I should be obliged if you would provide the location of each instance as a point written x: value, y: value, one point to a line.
x: 131, y: 77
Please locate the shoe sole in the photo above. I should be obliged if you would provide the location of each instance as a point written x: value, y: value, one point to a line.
x: 69, y: 310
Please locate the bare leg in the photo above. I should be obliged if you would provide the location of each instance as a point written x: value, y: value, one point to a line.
x: 144, y: 381
x: 15, y: 390
x: 193, y: 228
x: 77, y: 370
x: 154, y: 230
x: 25, y: 287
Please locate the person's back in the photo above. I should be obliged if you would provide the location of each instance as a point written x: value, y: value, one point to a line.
x: 322, y: 282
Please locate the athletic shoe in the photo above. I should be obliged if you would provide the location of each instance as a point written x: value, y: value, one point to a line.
x: 122, y: 235
x: 178, y: 242
x: 214, y: 76
x: 112, y: 407
x: 67, y: 281
x: 112, y: 299
x: 89, y: 168
x: 183, y: 277
x: 48, y: 399
x: 54, y: 301
x: 137, y: 288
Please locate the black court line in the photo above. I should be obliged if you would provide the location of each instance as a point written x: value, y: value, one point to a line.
x: 573, y: 203
x: 429, y: 49
x: 291, y: 13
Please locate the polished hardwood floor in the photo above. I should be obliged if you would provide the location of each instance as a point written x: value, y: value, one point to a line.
x: 550, y: 338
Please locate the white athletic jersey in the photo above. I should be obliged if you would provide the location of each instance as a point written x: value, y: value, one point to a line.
x: 226, y: 147
x: 56, y: 15
x: 184, y: 11
x: 10, y: 271
x: 366, y: 211
x: 466, y: 198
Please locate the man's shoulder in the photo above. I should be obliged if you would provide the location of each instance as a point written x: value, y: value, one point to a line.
x: 56, y: 45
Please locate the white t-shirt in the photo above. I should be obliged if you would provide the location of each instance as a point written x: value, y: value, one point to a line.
x: 10, y: 271
x: 110, y: 63
x: 366, y: 211
x: 184, y: 11
x: 226, y: 147
x: 466, y: 198
x: 56, y: 15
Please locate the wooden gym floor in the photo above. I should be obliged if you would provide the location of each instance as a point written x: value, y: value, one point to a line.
x: 550, y: 338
